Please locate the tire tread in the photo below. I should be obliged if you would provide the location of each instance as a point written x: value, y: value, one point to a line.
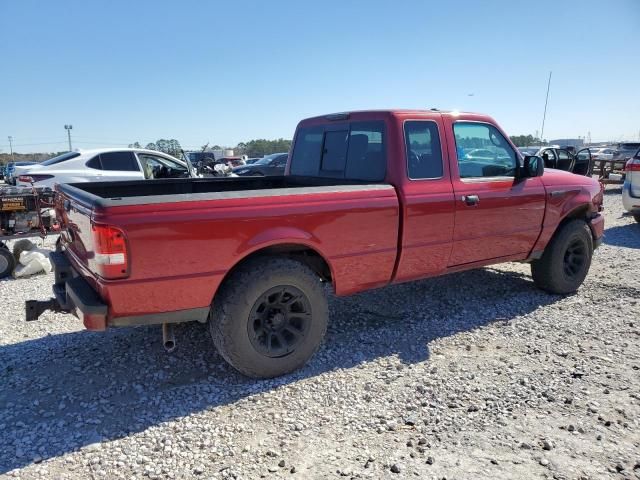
x: 232, y: 297
x: 545, y: 271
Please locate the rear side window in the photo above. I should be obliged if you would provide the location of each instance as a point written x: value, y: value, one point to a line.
x: 280, y: 161
x: 94, y: 163
x: 353, y: 151
x: 424, y: 154
x: 122, y: 161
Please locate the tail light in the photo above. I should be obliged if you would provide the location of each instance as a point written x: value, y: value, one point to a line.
x: 33, y: 178
x: 111, y: 258
x: 633, y: 165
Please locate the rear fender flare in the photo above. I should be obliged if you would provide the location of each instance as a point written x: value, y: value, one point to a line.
x: 285, y: 237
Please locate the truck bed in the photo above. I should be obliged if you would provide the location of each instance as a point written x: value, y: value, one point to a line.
x: 138, y: 192
x: 194, y: 231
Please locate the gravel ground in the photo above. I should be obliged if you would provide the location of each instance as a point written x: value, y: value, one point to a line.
x: 472, y: 375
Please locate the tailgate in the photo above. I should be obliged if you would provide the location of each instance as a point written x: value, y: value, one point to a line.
x: 75, y: 222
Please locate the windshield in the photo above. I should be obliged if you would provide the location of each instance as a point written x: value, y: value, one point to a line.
x: 61, y: 158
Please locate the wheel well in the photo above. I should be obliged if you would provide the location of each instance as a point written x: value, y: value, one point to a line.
x: 579, y: 213
x: 301, y: 253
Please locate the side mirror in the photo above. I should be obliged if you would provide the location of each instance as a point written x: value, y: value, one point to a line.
x: 533, y: 166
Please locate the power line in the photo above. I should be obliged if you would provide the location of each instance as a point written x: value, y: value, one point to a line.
x: 544, y: 116
x: 32, y: 144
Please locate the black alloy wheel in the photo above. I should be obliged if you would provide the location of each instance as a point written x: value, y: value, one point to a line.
x: 575, y: 257
x: 279, y: 321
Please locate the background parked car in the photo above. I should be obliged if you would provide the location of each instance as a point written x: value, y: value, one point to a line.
x: 626, y: 150
x: 605, y: 153
x: 233, y: 161
x: 270, y: 165
x: 8, y: 168
x: 631, y: 187
x: 562, y: 158
x: 14, y: 167
x: 533, y: 150
x: 104, y: 165
x: 19, y: 168
x: 251, y: 161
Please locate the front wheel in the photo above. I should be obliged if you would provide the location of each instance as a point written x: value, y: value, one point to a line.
x: 566, y: 260
x: 269, y: 317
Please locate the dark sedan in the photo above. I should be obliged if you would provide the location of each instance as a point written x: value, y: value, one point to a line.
x: 273, y: 164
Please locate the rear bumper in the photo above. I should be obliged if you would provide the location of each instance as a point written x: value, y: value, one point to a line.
x: 630, y: 202
x: 74, y: 295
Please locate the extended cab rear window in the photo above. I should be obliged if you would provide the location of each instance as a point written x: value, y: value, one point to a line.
x: 353, y: 151
x: 424, y: 154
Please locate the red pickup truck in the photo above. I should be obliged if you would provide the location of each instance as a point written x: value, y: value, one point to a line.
x: 368, y: 199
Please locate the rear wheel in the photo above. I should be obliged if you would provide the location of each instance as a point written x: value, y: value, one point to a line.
x: 7, y: 262
x: 269, y: 317
x: 566, y: 260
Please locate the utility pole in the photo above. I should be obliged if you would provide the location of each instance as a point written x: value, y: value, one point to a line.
x: 544, y: 116
x: 11, y: 146
x: 68, y: 129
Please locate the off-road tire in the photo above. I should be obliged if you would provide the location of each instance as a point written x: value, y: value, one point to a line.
x: 230, y: 324
x: 22, y: 246
x: 7, y: 262
x: 550, y: 272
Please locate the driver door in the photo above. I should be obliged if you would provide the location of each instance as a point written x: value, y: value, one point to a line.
x: 565, y: 160
x: 549, y: 157
x: 584, y: 162
x: 496, y: 214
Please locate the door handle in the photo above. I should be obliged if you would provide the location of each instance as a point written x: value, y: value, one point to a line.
x: 471, y: 200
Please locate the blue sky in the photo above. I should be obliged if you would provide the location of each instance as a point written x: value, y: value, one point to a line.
x: 225, y: 72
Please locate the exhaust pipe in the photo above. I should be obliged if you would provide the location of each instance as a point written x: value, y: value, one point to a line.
x: 168, y: 338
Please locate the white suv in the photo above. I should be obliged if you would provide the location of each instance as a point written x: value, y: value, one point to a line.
x: 631, y: 187
x: 104, y: 165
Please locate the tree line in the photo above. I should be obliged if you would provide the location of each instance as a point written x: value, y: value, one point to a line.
x: 253, y: 148
x: 526, y: 140
x: 27, y: 157
x: 171, y: 147
x: 262, y: 147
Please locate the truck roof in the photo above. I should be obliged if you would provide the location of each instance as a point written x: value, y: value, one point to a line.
x: 399, y: 112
